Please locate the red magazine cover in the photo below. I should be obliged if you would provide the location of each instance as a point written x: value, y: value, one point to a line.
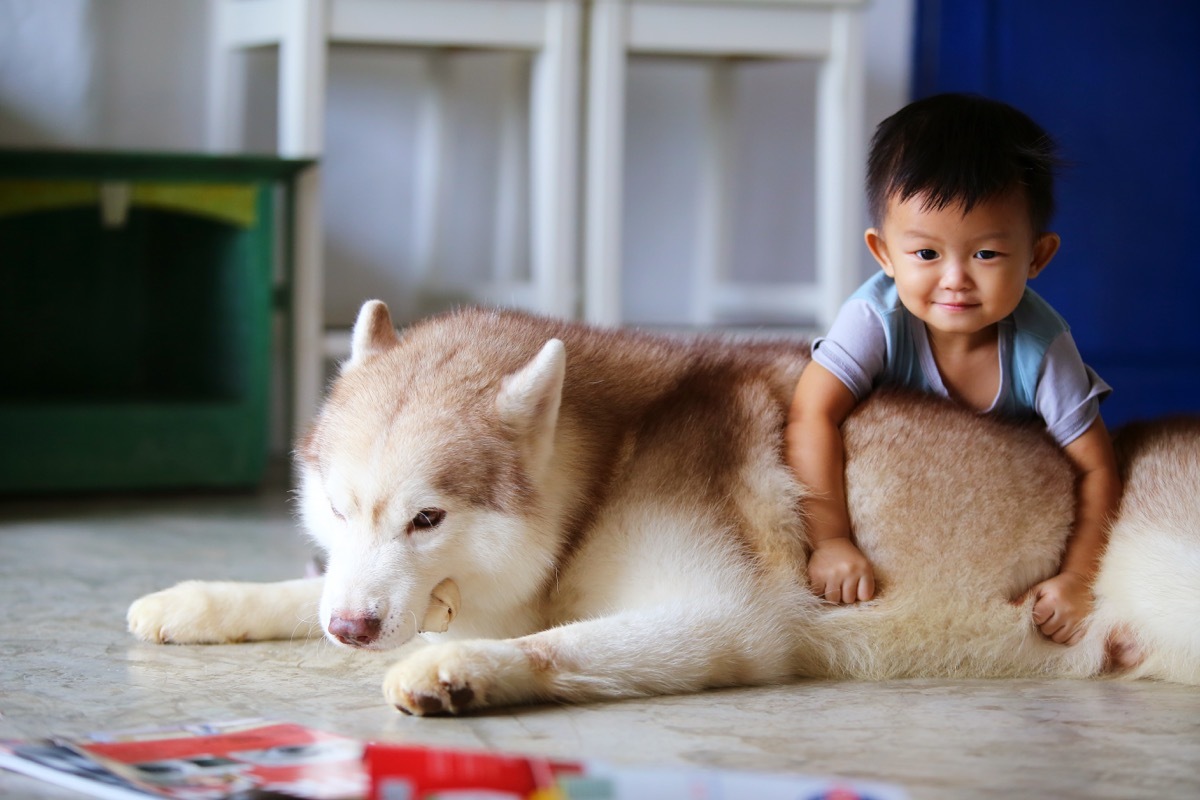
x: 217, y: 760
x: 401, y: 772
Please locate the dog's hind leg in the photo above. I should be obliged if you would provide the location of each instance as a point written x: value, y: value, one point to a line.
x: 217, y: 612
x: 666, y: 649
x: 1146, y: 592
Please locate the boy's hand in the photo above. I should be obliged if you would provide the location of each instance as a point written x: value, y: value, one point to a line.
x: 1061, y: 605
x: 839, y: 572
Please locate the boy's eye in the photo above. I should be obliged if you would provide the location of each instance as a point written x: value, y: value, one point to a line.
x: 926, y: 254
x: 986, y: 255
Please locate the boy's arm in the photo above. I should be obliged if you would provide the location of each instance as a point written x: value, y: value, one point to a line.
x: 1064, y: 601
x: 1099, y: 494
x: 837, y: 570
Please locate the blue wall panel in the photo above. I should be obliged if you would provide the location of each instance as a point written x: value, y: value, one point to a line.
x: 1118, y: 84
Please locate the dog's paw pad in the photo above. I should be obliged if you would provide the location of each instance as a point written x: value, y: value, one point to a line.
x: 461, y: 697
x: 427, y: 704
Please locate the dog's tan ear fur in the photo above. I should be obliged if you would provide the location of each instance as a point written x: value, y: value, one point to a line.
x: 529, y: 399
x: 373, y: 334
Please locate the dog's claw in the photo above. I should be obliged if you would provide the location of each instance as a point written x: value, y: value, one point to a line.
x: 450, y: 700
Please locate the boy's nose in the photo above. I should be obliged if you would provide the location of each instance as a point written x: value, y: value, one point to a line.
x: 954, y: 277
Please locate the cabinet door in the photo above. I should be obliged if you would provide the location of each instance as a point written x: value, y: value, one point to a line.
x: 1118, y: 85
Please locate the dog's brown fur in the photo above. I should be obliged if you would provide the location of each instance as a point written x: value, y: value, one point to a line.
x: 617, y: 513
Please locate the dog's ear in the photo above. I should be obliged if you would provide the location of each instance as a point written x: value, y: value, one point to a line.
x: 529, y: 400
x: 373, y: 333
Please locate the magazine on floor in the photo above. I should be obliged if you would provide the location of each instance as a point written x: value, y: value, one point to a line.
x: 257, y: 759
x: 419, y: 773
x: 206, y: 761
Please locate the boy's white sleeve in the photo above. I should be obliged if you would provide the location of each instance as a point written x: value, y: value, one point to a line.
x: 855, y: 348
x: 1068, y: 392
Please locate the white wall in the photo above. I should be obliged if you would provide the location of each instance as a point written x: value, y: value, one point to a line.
x: 47, y: 54
x: 131, y: 74
x: 103, y: 73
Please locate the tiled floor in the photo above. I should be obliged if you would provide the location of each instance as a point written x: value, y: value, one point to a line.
x: 68, y: 570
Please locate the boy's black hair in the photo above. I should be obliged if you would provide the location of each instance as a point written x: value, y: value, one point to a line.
x: 960, y: 149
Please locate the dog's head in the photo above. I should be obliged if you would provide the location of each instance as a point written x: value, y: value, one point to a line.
x: 422, y: 471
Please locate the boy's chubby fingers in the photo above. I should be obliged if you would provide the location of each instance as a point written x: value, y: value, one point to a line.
x: 1046, y: 613
x: 838, y: 591
x: 866, y: 588
x: 1059, y: 629
x: 819, y: 588
x: 850, y: 590
x: 1072, y: 631
x: 1052, y: 629
x: 1063, y: 635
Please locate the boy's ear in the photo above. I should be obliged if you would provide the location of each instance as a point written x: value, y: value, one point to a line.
x: 1044, y: 249
x: 875, y: 244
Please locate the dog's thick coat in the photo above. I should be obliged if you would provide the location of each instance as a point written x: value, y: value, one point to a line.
x: 601, y: 514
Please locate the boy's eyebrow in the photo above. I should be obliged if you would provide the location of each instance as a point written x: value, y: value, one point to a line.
x: 914, y: 233
x: 920, y: 234
x: 1002, y: 235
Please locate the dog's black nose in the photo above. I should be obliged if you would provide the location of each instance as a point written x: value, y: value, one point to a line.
x: 355, y: 630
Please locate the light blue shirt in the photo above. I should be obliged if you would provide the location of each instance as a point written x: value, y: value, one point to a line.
x: 875, y: 340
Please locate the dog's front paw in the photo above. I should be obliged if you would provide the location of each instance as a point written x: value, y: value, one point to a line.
x: 438, y: 679
x: 455, y: 677
x: 192, y: 612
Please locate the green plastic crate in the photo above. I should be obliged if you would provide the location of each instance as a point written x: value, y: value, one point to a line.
x: 136, y: 349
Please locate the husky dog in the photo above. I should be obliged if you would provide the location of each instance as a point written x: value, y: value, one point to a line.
x: 573, y: 513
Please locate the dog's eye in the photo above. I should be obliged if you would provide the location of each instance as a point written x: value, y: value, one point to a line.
x: 426, y: 519
x: 341, y: 517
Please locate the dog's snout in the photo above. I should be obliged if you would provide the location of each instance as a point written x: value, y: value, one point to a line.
x: 356, y: 630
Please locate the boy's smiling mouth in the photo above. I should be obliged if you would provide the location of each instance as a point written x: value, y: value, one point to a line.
x: 955, y: 306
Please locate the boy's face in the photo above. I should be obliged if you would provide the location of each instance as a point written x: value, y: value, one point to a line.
x: 961, y: 273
